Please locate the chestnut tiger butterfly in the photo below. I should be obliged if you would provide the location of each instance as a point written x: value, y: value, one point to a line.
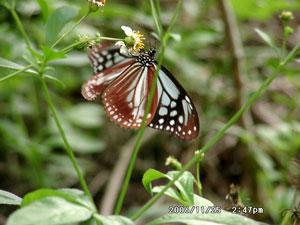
x: 124, y: 82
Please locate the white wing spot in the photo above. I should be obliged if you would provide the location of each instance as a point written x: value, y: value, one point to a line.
x: 139, y: 120
x: 149, y: 115
x: 173, y: 104
x: 163, y: 111
x: 100, y: 67
x: 161, y: 127
x: 104, y: 52
x: 156, y: 126
x: 109, y: 108
x: 183, y: 133
x: 115, y: 117
x: 119, y: 120
x: 173, y: 113
x: 172, y: 122
x: 189, y: 132
x: 130, y: 105
x: 172, y: 129
x: 195, y: 128
x: 125, y: 123
x: 151, y: 125
x: 111, y: 112
x: 187, y: 98
x: 168, y: 128
x: 181, y: 119
x: 161, y: 120
x: 179, y: 128
x: 108, y: 64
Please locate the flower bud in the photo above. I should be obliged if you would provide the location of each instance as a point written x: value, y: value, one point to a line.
x: 286, y: 16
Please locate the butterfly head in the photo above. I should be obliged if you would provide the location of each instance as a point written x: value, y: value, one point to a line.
x: 147, y: 58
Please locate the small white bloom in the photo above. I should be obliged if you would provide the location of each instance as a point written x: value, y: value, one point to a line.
x: 132, y: 43
x: 123, y: 48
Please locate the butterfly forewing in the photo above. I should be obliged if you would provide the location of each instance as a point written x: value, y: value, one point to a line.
x: 125, y: 99
x: 175, y: 111
x: 107, y: 64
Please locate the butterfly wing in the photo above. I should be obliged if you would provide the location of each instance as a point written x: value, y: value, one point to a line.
x: 108, y: 63
x: 175, y: 111
x: 125, y: 99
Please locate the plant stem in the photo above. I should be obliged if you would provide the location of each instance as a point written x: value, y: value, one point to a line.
x: 283, y: 41
x: 67, y: 145
x: 68, y: 48
x: 20, y: 26
x: 71, y: 29
x: 15, y: 73
x: 211, y: 142
x: 149, y: 102
x: 198, y: 183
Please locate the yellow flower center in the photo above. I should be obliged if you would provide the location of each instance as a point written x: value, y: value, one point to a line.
x: 139, y: 45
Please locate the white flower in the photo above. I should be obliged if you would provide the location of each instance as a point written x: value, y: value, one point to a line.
x: 132, y: 43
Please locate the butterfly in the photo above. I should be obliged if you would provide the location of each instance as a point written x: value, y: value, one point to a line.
x: 124, y: 82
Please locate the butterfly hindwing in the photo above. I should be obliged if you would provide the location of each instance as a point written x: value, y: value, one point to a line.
x: 125, y: 99
x: 175, y: 111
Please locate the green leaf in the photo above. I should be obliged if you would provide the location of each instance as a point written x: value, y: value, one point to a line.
x: 49, y: 77
x: 44, y: 8
x: 56, y: 21
x: 72, y: 195
x: 149, y: 176
x: 184, y: 184
x: 9, y: 64
x: 202, y: 201
x: 113, y: 220
x: 268, y: 40
x: 50, y: 54
x: 207, y: 218
x: 8, y: 198
x: 50, y: 211
x: 171, y: 192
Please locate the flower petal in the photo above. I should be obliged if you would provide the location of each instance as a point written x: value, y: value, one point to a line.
x: 128, y: 31
x: 124, y: 50
x: 120, y: 43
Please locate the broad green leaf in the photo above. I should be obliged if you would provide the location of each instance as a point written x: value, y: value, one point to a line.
x: 72, y: 195
x: 50, y: 54
x: 8, y: 198
x: 149, y: 176
x: 207, y: 218
x: 113, y: 220
x: 50, y: 211
x: 56, y: 21
x: 268, y: 40
x: 44, y: 8
x: 175, y: 36
x: 9, y: 64
x: 184, y: 184
x: 202, y: 201
x: 171, y: 192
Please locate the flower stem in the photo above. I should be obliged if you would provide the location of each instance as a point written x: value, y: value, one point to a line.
x: 211, y: 142
x: 198, y: 183
x: 67, y: 145
x: 70, y: 30
x: 149, y: 102
x: 20, y: 26
x: 68, y: 48
x: 15, y: 73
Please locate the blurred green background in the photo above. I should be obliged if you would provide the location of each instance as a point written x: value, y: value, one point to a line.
x: 262, y: 159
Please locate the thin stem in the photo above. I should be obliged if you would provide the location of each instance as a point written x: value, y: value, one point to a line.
x: 68, y: 48
x: 20, y: 26
x: 173, y: 21
x: 211, y: 142
x: 67, y: 145
x: 16, y: 73
x: 199, y: 186
x: 71, y: 29
x: 283, y: 48
x: 149, y: 102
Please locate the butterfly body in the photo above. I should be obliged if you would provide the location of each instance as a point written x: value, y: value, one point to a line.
x: 124, y: 82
